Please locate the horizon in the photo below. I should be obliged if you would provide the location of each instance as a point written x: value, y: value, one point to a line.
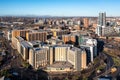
x: 62, y: 8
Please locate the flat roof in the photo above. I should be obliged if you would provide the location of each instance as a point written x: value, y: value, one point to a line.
x: 35, y: 42
x: 25, y: 44
x: 37, y: 31
x: 75, y: 49
x: 64, y: 45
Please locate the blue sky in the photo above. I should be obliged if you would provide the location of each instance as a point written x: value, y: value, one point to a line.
x: 60, y: 7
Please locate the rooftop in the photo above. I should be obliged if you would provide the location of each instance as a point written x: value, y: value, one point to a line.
x: 64, y: 45
x: 75, y: 49
x: 25, y: 44
x: 34, y: 42
x: 20, y: 38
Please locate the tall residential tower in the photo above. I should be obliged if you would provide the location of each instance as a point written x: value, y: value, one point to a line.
x: 101, y: 24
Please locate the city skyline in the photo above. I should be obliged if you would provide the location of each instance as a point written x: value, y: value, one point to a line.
x: 59, y: 7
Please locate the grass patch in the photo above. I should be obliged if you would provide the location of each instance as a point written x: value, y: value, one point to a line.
x: 96, y: 60
x: 101, y: 67
x: 116, y: 61
x: 115, y: 58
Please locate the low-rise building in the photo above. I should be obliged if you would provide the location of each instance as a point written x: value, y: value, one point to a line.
x: 55, y: 41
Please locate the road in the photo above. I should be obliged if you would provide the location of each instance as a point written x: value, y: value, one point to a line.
x: 106, y: 71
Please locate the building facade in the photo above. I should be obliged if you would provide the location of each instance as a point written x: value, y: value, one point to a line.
x: 32, y: 36
x: 90, y: 46
x: 102, y: 19
x: 86, y: 22
x: 67, y: 38
x: 77, y: 57
x: 24, y: 50
x: 38, y: 57
x: 21, y: 33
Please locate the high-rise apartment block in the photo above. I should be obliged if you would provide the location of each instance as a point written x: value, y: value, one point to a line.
x: 38, y: 57
x: 86, y: 22
x: 67, y: 53
x: 101, y: 24
x: 33, y: 36
x: 16, y: 41
x: 21, y: 33
x: 24, y: 50
x: 102, y: 19
x: 77, y: 57
x: 59, y: 52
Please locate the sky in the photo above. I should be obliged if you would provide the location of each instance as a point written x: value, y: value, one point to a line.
x: 59, y: 7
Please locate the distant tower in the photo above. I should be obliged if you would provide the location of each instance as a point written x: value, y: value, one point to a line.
x: 101, y: 24
x: 102, y: 19
x: 86, y: 22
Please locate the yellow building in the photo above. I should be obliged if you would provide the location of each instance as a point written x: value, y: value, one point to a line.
x: 60, y: 32
x: 32, y: 36
x: 21, y: 33
x: 83, y: 60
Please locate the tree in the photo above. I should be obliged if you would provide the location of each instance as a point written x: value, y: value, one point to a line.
x: 5, y: 73
x: 26, y: 65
